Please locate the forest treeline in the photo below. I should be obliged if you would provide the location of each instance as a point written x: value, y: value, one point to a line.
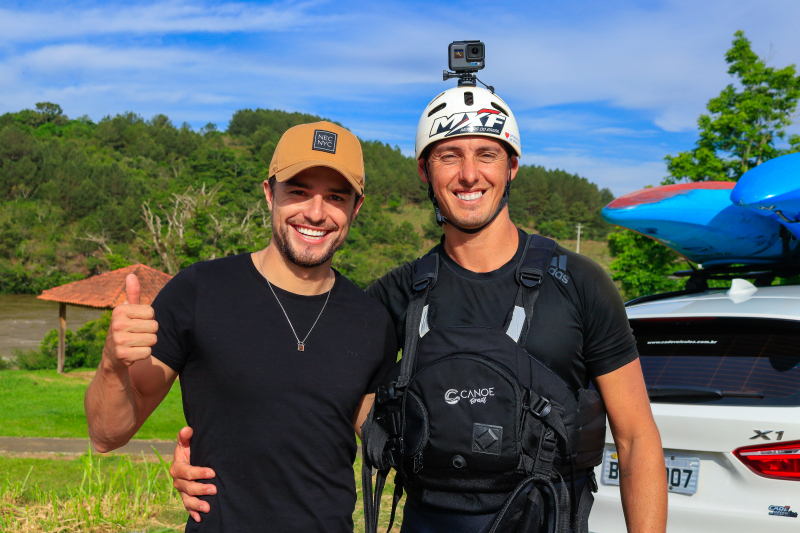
x: 79, y: 198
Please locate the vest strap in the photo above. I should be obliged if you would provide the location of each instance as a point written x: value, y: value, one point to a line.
x: 530, y: 274
x: 585, y: 505
x: 374, y: 439
x: 398, y: 493
x: 426, y: 269
x: 536, y: 260
x: 544, y: 420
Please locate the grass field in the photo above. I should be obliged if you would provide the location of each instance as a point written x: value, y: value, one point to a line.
x: 87, y: 494
x: 42, y: 403
x: 33, y: 491
x: 107, y: 494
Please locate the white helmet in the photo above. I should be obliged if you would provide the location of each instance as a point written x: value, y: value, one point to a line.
x: 467, y: 111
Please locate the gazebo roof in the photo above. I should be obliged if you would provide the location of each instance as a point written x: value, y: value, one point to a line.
x: 107, y: 290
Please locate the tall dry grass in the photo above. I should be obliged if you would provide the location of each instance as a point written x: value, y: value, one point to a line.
x: 130, y: 496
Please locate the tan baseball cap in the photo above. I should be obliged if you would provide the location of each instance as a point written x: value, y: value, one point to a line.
x: 320, y: 144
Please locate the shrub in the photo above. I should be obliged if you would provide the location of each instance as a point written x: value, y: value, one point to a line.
x: 557, y: 229
x: 642, y: 265
x: 35, y: 359
x: 84, y: 347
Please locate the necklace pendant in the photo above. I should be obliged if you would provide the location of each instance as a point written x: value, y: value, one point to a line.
x: 301, y: 347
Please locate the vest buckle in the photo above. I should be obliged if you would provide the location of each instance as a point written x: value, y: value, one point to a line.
x: 541, y: 408
x: 530, y: 278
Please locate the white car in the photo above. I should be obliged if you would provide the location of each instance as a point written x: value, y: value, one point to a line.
x: 723, y: 374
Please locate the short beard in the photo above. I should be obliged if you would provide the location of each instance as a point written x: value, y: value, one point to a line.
x: 280, y: 236
x: 471, y: 223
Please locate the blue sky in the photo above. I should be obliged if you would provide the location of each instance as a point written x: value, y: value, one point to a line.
x: 602, y: 89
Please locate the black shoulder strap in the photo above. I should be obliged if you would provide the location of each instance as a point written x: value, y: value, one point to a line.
x: 426, y: 269
x: 536, y: 260
x: 531, y: 270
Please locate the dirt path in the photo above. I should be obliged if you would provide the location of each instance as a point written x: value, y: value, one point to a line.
x: 39, y: 446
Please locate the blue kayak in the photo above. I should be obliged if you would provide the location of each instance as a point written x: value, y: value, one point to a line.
x: 772, y: 189
x: 698, y: 221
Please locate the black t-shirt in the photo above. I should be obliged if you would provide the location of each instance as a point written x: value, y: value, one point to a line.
x: 579, y: 328
x: 274, y: 423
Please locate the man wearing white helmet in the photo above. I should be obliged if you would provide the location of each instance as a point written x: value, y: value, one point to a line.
x: 468, y: 148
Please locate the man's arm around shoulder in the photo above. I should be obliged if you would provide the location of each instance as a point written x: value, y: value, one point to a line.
x: 643, y: 478
x: 129, y: 383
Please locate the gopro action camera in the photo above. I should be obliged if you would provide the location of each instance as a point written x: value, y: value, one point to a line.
x: 466, y: 56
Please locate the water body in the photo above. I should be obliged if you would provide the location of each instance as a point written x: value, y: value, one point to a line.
x: 24, y: 320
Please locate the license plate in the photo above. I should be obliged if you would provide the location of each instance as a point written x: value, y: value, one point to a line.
x: 682, y: 471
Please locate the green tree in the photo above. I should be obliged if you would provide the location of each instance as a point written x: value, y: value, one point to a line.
x: 642, y: 265
x: 555, y: 209
x: 743, y: 122
x: 79, y: 198
x: 50, y: 112
x: 579, y: 213
x: 557, y: 229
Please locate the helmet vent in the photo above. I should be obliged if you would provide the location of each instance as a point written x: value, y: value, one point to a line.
x: 432, y: 101
x: 503, y: 111
x: 468, y: 99
x: 437, y: 108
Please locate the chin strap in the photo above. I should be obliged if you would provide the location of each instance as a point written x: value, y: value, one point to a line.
x: 441, y: 219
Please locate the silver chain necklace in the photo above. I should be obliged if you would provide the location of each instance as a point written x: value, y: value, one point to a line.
x: 301, y: 344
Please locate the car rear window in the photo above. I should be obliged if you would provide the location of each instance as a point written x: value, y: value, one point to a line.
x: 751, y: 361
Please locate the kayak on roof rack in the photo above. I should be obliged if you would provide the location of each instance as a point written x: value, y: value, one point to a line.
x: 772, y: 189
x: 699, y: 221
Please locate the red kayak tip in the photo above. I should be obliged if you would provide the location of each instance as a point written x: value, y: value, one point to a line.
x: 653, y: 195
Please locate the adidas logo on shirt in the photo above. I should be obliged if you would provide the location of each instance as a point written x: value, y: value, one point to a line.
x: 558, y: 268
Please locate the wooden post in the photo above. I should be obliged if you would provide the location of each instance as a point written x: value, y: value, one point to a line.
x: 578, y: 248
x: 62, y: 336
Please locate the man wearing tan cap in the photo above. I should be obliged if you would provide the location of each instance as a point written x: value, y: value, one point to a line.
x: 278, y: 354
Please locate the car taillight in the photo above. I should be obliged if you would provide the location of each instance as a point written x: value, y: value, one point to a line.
x: 777, y: 461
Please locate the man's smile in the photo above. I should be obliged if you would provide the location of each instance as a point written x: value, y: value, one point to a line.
x: 310, y: 234
x: 469, y: 196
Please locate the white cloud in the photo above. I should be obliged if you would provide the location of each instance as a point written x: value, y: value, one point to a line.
x: 73, y: 58
x: 667, y: 60
x: 623, y: 132
x: 155, y: 18
x: 555, y: 121
x: 620, y: 175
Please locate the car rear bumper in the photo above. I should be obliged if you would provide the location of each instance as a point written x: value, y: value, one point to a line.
x: 730, y: 498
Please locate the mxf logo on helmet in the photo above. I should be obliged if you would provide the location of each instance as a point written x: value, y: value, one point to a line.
x: 483, y: 121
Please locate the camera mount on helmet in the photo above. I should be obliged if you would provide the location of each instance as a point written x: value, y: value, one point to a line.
x: 466, y: 58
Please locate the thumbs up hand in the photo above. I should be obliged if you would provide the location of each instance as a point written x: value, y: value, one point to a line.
x: 132, y: 290
x: 132, y: 333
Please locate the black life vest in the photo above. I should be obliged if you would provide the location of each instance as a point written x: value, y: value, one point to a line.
x: 474, y: 423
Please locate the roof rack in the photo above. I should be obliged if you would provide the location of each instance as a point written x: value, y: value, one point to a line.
x: 698, y: 279
x: 659, y: 296
x: 763, y: 275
